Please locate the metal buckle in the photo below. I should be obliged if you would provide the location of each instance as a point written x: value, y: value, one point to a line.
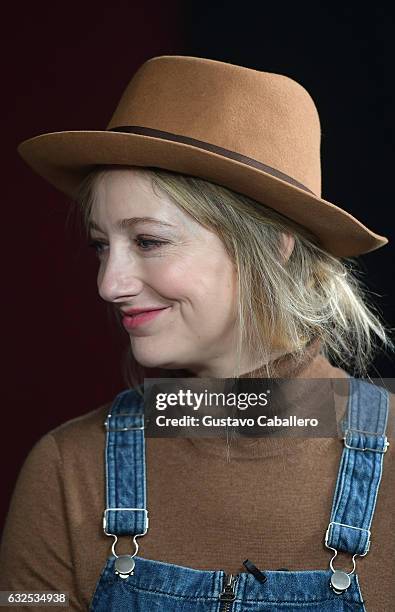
x: 107, y: 422
x: 352, y: 527
x: 340, y: 579
x: 370, y: 433
x: 120, y: 570
x: 128, y: 509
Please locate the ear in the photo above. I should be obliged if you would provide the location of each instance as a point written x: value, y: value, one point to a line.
x: 287, y: 245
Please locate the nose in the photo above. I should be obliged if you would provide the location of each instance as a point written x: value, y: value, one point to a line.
x: 118, y: 278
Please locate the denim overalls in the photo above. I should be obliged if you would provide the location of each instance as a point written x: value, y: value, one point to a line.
x: 137, y: 584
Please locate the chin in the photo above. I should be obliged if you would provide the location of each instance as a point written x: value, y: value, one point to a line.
x: 150, y: 357
x: 154, y: 362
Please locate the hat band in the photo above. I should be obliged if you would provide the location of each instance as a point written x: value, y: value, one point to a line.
x: 137, y: 129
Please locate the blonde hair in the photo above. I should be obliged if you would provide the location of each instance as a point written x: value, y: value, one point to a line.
x: 281, y: 303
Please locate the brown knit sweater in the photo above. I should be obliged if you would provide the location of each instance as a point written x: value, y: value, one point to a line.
x: 210, y: 507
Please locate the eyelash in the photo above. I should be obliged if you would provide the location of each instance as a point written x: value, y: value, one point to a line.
x: 94, y: 244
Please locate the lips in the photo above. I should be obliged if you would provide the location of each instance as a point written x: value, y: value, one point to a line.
x: 136, y: 319
x: 135, y: 311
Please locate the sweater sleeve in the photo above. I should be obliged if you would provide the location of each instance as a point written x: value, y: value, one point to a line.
x: 35, y: 551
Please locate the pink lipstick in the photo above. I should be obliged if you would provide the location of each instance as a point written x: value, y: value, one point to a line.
x: 133, y: 321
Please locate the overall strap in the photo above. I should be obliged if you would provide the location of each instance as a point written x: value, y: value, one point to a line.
x: 360, y: 471
x: 126, y: 504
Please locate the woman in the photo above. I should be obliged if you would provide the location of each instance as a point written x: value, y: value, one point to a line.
x: 243, y: 264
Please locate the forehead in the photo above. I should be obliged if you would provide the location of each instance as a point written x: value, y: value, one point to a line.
x: 126, y: 197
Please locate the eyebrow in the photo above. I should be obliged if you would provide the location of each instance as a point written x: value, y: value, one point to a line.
x: 123, y: 224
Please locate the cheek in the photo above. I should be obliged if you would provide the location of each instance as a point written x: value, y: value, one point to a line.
x: 212, y: 288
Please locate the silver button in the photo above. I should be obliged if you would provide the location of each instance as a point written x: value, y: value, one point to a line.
x: 340, y: 581
x: 124, y: 566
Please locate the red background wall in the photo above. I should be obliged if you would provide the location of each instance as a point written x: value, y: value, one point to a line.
x: 64, y: 67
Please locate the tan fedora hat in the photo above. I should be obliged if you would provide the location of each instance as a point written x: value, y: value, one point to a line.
x: 257, y: 133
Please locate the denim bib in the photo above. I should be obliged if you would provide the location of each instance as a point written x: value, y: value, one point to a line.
x: 131, y: 582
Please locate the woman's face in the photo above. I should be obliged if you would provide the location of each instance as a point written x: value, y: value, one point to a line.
x: 185, y: 269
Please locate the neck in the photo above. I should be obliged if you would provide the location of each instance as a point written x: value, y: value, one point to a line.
x: 309, y: 365
x: 289, y: 365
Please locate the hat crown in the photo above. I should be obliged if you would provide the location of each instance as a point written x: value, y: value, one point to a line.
x: 256, y: 133
x: 262, y: 115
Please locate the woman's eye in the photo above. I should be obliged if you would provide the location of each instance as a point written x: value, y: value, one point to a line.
x: 157, y: 243
x: 98, y: 246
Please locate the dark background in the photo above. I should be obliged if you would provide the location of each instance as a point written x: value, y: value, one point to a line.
x: 65, y: 67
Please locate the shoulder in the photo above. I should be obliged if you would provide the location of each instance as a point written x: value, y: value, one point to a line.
x: 378, y: 393
x: 70, y: 441
x: 84, y: 435
x: 81, y: 436
x: 78, y: 429
x: 323, y: 368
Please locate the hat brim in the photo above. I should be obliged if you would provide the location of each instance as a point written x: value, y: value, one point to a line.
x: 65, y: 158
